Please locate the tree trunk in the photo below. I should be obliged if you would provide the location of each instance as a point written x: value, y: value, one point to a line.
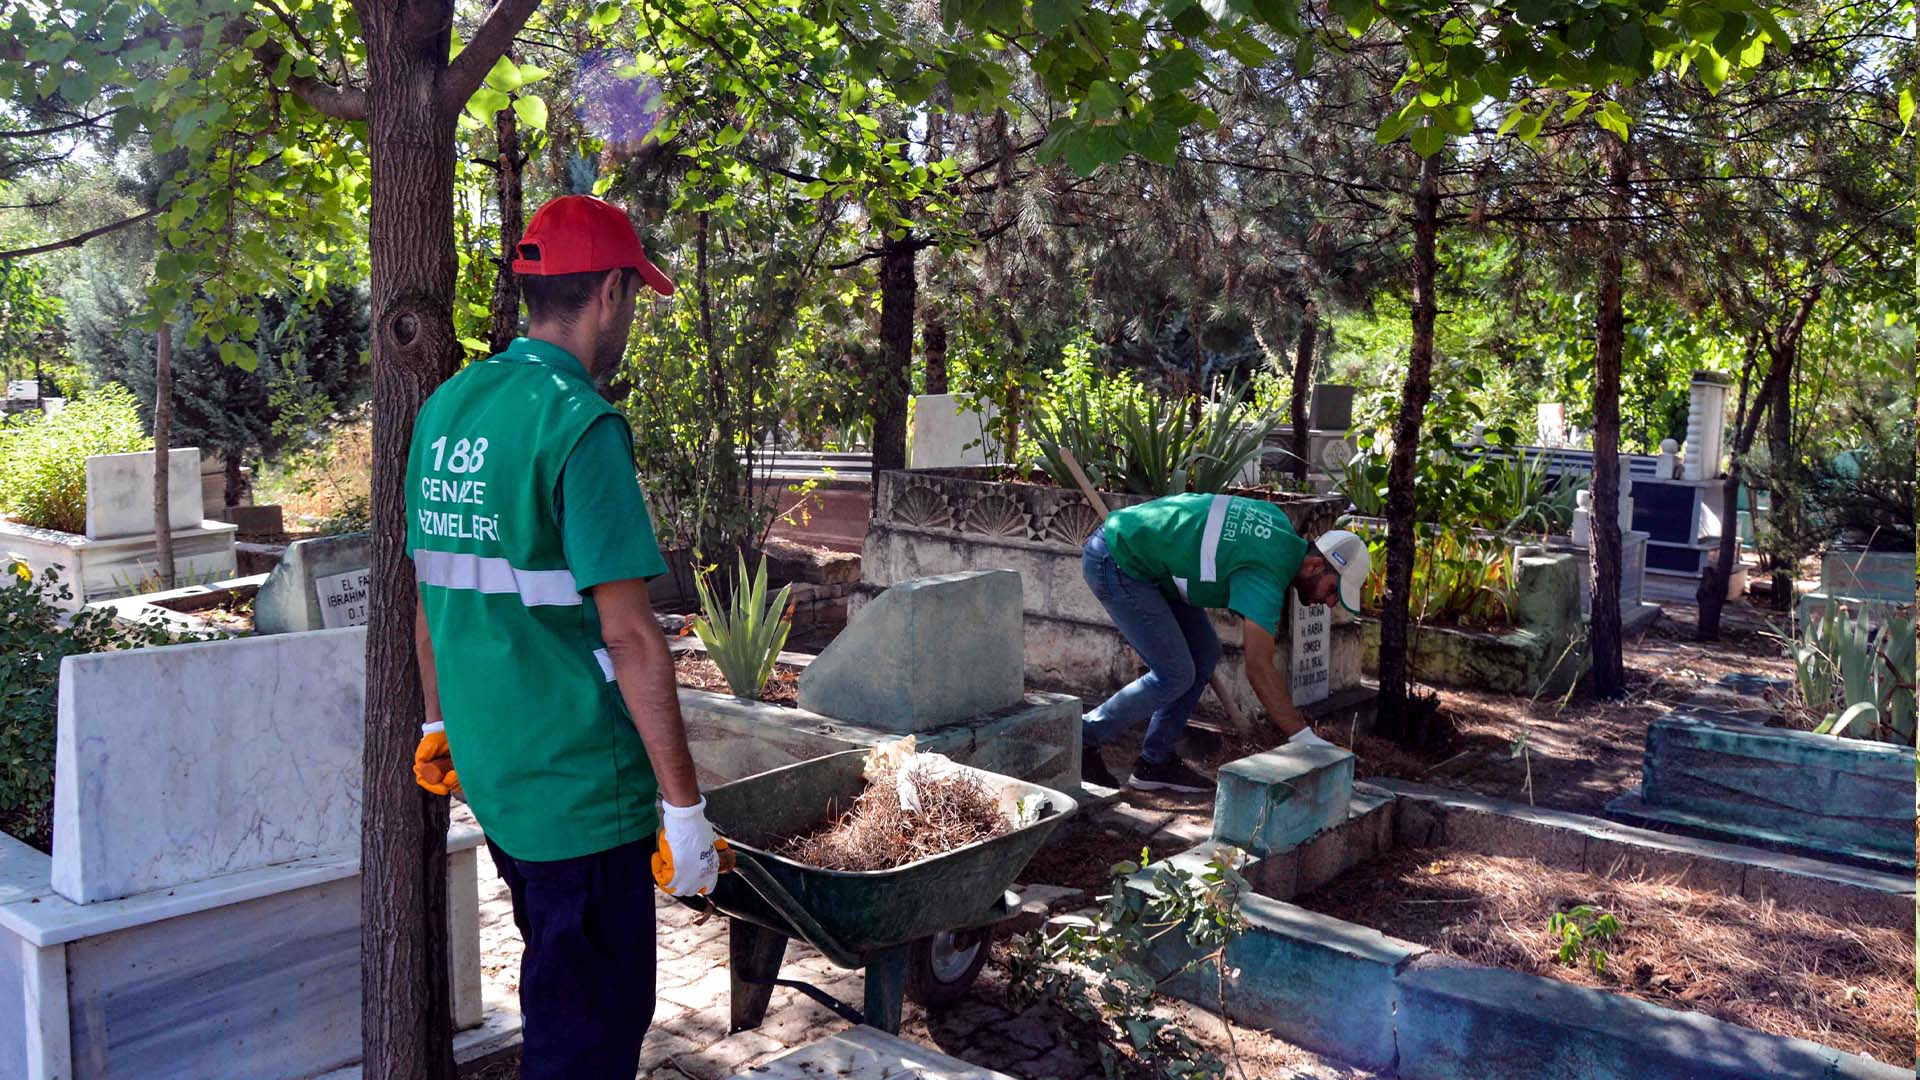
x: 1785, y: 509
x: 236, y: 483
x: 1303, y: 382
x: 506, y: 286
x: 1713, y: 583
x: 1395, y: 715
x: 406, y: 1015
x: 898, y: 289
x: 936, y: 345
x: 162, y: 453
x: 1609, y: 666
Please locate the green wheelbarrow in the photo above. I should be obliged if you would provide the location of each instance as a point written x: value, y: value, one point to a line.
x: 921, y: 929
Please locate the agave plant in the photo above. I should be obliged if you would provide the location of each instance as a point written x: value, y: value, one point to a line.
x: 1145, y: 445
x: 1072, y: 424
x: 1522, y: 497
x: 1860, y: 677
x: 1229, y: 438
x: 745, y: 633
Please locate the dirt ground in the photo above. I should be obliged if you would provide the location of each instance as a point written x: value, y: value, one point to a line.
x: 699, y: 673
x: 1785, y: 972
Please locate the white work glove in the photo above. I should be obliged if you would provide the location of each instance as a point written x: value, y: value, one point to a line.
x: 686, y: 839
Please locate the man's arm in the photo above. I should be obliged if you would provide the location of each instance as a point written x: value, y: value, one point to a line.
x: 1269, y: 684
x: 643, y: 666
x: 423, y: 649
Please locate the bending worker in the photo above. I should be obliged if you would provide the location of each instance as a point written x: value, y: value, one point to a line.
x: 1156, y: 567
x: 539, y: 651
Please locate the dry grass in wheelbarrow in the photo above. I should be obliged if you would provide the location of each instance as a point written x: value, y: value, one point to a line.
x: 877, y: 833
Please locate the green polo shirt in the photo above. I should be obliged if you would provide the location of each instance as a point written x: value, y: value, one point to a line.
x: 521, y: 497
x: 1211, y: 551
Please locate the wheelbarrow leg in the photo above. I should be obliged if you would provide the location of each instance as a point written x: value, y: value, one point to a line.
x: 753, y: 954
x: 886, y: 987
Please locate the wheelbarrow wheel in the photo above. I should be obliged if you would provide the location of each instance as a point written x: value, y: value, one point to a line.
x: 941, y: 968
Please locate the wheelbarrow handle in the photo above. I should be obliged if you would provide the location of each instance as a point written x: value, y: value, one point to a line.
x: 782, y: 901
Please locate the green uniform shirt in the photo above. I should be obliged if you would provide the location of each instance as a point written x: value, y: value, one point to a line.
x: 521, y: 496
x: 1212, y: 551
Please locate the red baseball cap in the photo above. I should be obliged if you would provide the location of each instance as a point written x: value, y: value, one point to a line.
x: 578, y: 234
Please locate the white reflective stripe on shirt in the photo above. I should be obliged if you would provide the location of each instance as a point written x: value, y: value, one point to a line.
x: 1181, y: 584
x: 606, y: 663
x: 1210, y: 540
x: 492, y: 574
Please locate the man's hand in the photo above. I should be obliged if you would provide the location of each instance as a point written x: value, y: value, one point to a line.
x: 433, y: 761
x: 1269, y: 683
x: 686, y: 863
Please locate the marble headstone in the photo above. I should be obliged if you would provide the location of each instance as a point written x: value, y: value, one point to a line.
x: 318, y: 584
x: 120, y: 493
x: 183, y: 763
x: 943, y: 427
x: 1312, y: 642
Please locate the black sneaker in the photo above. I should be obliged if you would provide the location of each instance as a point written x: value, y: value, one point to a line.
x: 1172, y: 776
x: 1093, y: 769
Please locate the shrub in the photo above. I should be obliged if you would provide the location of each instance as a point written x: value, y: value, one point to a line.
x: 744, y: 632
x: 43, y: 460
x: 34, y: 637
x: 1148, y: 445
x: 1858, y: 679
x: 1458, y: 579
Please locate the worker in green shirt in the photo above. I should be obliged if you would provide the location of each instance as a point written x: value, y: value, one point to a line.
x: 1156, y: 568
x: 544, y: 672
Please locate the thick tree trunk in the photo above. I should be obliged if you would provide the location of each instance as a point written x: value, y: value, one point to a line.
x: 162, y: 453
x: 1302, y: 383
x: 936, y: 345
x: 898, y: 289
x: 406, y: 1016
x: 1395, y: 715
x: 507, y: 188
x: 1609, y: 666
x: 1785, y: 508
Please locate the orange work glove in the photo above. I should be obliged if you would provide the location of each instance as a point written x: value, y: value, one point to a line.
x: 433, y: 762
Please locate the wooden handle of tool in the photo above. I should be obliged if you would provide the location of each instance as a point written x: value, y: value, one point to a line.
x: 1219, y: 684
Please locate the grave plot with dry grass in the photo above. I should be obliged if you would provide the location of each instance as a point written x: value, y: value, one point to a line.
x: 1811, y: 976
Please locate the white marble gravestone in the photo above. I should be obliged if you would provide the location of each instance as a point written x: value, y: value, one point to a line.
x: 943, y: 426
x: 1312, y: 640
x: 120, y: 493
x: 184, y: 763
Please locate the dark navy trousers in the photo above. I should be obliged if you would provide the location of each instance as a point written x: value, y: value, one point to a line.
x: 586, y: 978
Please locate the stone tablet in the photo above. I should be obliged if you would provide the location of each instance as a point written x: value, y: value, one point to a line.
x: 120, y: 493
x: 924, y: 654
x: 943, y: 427
x: 179, y: 764
x: 313, y: 586
x: 1312, y: 643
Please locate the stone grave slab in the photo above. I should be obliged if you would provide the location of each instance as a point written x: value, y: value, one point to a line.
x: 944, y: 425
x: 120, y: 493
x: 319, y: 584
x: 183, y: 763
x: 924, y: 654
x: 1271, y: 802
x: 1312, y: 652
x: 864, y: 1053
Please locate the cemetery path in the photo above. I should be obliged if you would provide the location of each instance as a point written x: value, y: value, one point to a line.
x: 689, y: 1035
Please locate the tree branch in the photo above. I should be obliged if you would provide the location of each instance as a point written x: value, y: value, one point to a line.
x: 340, y: 102
x: 34, y: 133
x: 489, y: 43
x: 76, y: 241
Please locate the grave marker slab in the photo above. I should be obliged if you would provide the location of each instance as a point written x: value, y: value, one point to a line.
x: 944, y: 425
x: 319, y: 584
x: 1312, y: 642
x: 120, y: 493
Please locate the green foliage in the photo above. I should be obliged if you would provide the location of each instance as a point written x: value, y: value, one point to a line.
x: 29, y: 319
x: 745, y: 632
x: 1857, y: 677
x: 43, y: 460
x: 34, y: 637
x: 1518, y: 497
x: 1107, y: 974
x: 1582, y: 931
x: 1459, y: 579
x: 1507, y: 494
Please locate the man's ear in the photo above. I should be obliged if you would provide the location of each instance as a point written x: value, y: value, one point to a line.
x: 613, y: 289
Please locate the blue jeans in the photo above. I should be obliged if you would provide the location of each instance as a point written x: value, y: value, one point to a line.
x: 586, y: 977
x: 1175, y: 639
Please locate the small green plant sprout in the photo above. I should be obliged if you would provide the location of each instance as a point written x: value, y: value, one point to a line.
x: 1107, y: 972
x: 745, y: 633
x: 1581, y: 932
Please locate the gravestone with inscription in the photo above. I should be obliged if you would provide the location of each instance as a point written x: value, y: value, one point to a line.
x: 319, y: 584
x: 1312, y: 639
